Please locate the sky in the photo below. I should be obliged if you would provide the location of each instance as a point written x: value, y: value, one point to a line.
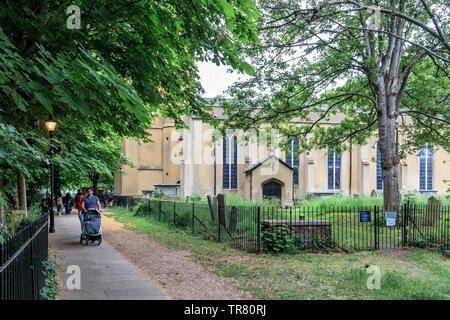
x: 216, y: 79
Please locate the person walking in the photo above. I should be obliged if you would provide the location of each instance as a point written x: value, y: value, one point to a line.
x: 78, y: 202
x: 68, y: 203
x: 59, y: 203
x: 105, y: 199
x: 90, y: 202
x: 110, y: 198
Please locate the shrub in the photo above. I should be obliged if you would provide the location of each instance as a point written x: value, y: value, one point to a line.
x: 277, y: 240
x: 51, y: 288
x: 157, y: 194
x: 426, y: 241
x: 309, y: 197
x: 196, y: 198
x: 3, y: 232
x: 141, y: 208
x: 208, y: 233
x: 411, y: 198
x: 326, y: 243
x: 183, y: 217
x: 298, y: 241
x: 445, y: 249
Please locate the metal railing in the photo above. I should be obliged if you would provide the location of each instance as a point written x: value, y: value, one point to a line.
x: 309, y: 228
x: 22, y: 273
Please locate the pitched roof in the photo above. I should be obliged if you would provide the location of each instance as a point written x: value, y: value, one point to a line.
x: 256, y: 165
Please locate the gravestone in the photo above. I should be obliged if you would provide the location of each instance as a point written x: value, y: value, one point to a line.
x: 221, y: 201
x: 433, y: 211
x: 234, y: 214
x: 373, y: 193
x: 212, y: 203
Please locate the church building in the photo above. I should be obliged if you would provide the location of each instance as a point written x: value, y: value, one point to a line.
x: 198, y: 161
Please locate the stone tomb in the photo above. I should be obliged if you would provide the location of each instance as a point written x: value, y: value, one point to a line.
x: 310, y: 231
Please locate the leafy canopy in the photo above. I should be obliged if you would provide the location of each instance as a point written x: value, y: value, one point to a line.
x: 320, y: 60
x: 129, y: 62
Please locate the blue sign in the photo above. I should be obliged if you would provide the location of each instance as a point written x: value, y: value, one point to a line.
x: 364, y: 216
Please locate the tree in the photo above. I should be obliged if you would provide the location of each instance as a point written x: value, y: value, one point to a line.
x: 379, y: 63
x: 129, y: 61
x: 16, y: 155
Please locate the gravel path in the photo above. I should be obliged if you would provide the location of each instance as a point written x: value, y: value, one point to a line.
x: 178, y: 275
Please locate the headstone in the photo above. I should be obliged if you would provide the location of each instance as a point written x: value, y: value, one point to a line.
x: 221, y: 201
x: 373, y: 193
x: 212, y: 203
x: 433, y: 211
x: 234, y: 214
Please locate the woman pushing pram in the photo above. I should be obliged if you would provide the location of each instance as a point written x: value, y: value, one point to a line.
x: 90, y: 219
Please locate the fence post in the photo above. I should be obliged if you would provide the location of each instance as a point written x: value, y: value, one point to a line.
x: 149, y: 207
x: 258, y: 231
x: 33, y: 279
x: 193, y: 216
x: 405, y: 220
x: 159, y: 210
x: 174, y: 213
x: 290, y: 221
x: 375, y: 221
x: 218, y: 220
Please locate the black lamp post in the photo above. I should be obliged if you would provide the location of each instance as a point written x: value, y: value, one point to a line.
x: 50, y: 124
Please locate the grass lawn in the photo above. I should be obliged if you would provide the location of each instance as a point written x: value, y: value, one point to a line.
x: 405, y: 274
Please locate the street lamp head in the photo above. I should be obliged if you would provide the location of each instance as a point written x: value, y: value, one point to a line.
x: 50, y: 124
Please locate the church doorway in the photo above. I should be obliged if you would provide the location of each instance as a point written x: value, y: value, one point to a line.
x: 272, y: 189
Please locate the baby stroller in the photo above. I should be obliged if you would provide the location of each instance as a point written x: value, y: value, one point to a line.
x: 93, y: 227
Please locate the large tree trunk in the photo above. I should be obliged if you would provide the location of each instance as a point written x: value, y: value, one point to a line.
x: 94, y: 178
x: 2, y: 207
x: 387, y: 143
x: 22, y: 193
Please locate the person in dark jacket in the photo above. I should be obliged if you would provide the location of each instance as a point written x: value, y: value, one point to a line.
x: 68, y: 203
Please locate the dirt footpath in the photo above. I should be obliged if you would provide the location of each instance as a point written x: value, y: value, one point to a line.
x: 178, y: 275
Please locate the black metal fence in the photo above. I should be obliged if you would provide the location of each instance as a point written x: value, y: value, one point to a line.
x: 21, y: 262
x: 345, y: 228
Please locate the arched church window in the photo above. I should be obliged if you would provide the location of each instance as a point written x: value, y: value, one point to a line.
x: 229, y: 162
x: 293, y: 160
x: 426, y: 168
x: 334, y: 169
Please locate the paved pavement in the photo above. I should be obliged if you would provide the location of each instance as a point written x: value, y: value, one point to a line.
x: 105, y: 274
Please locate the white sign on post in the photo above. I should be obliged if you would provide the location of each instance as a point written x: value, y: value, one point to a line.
x: 390, y: 218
